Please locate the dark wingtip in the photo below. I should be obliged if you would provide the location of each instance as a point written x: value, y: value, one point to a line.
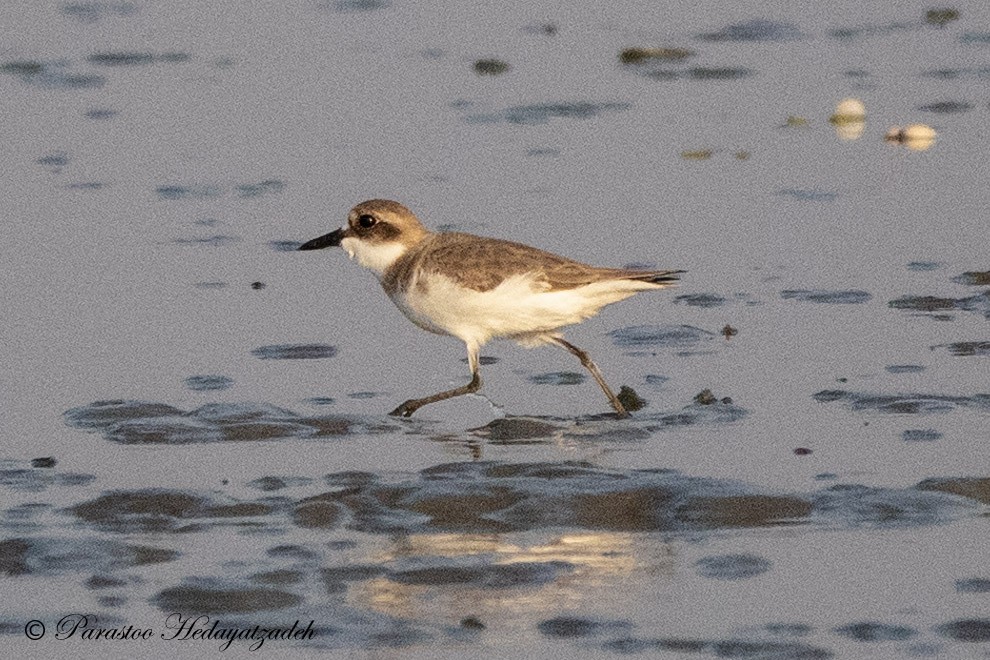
x: 666, y: 276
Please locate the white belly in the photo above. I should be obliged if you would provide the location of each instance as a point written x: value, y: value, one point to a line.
x: 518, y: 308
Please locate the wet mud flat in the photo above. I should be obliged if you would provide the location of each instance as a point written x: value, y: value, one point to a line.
x: 549, y: 556
x: 463, y: 555
x: 561, y: 556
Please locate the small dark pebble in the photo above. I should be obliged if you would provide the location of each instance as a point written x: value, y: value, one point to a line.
x: 801, y: 451
x: 490, y: 67
x: 941, y: 17
x: 257, y: 285
x: 705, y: 397
x: 45, y: 462
x: 728, y: 331
x: 472, y: 623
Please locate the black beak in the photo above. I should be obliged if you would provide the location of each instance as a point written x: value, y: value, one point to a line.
x: 328, y: 240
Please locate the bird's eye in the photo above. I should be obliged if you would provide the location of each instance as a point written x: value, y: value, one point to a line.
x: 367, y: 221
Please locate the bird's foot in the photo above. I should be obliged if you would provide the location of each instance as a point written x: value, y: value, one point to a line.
x: 407, y: 408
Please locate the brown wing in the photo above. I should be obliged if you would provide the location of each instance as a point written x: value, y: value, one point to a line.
x: 489, y: 261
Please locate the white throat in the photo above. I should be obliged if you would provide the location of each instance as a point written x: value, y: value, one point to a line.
x: 373, y: 257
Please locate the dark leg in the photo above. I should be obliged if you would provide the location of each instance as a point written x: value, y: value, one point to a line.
x: 412, y: 405
x: 590, y: 366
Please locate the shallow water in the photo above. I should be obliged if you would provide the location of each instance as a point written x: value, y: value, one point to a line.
x: 194, y: 413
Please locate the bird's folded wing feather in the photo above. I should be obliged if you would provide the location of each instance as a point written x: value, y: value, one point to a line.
x: 482, y: 264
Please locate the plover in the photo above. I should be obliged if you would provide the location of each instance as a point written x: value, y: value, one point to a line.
x: 477, y: 289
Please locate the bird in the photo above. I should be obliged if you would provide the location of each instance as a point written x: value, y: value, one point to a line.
x: 476, y: 288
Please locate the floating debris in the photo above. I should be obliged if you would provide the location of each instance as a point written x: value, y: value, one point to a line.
x: 849, y: 119
x: 637, y: 55
x: 916, y: 137
x: 697, y: 154
x: 705, y: 397
x: 490, y: 67
x: 472, y: 623
x: 848, y: 110
x: 941, y: 17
